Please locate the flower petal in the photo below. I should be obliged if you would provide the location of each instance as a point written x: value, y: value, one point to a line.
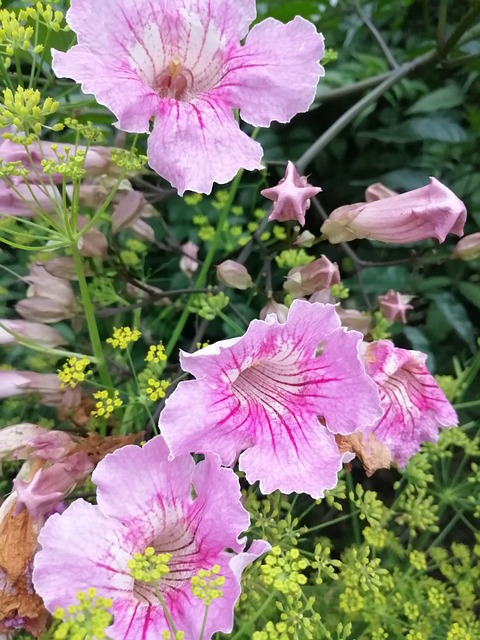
x: 275, y: 74
x: 110, y: 80
x: 98, y: 557
x: 301, y: 456
x: 147, y: 476
x: 206, y: 130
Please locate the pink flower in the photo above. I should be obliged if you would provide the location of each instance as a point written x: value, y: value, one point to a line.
x: 15, y: 383
x: 145, y: 500
x: 26, y: 200
x: 279, y: 393
x: 394, y: 306
x: 378, y: 191
x: 49, y: 299
x: 189, y: 262
x: 432, y: 211
x: 414, y: 406
x: 182, y: 63
x: 33, y: 331
x: 291, y: 196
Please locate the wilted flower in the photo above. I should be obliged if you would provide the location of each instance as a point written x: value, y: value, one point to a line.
x: 32, y: 331
x: 278, y: 394
x: 394, y: 306
x: 188, y: 261
x: 468, y: 248
x: 414, y: 405
x: 52, y: 468
x: 49, y: 299
x: 183, y: 64
x: 291, y: 196
x: 191, y: 512
x: 432, y: 211
x: 317, y: 275
x: 234, y: 274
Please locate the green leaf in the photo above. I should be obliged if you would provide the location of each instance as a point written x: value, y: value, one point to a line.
x: 444, y: 98
x: 420, y: 342
x: 456, y: 315
x: 471, y: 292
x: 438, y: 128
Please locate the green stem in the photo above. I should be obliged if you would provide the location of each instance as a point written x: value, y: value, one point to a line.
x: 165, y: 609
x: 202, y: 276
x: 204, y: 623
x: 357, y: 108
x: 353, y: 512
x: 259, y: 612
x: 90, y: 318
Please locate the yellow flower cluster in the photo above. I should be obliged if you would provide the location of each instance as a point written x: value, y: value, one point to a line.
x: 282, y: 571
x: 156, y: 353
x: 88, y: 619
x: 149, y: 566
x: 106, y: 405
x: 167, y: 635
x: 206, y: 584
x: 26, y: 112
x: 73, y: 372
x: 123, y: 336
x: 13, y: 32
x: 156, y: 389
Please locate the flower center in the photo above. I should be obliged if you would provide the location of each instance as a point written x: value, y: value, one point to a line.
x: 179, y: 542
x: 175, y: 81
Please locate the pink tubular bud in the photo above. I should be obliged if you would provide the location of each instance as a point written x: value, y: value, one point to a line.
x: 235, y: 275
x: 468, y: 248
x: 432, y: 211
x: 291, y: 196
x: 355, y: 320
x: 32, y: 331
x: 188, y: 261
x: 279, y: 310
x: 49, y: 299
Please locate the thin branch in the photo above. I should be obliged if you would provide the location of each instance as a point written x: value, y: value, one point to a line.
x: 378, y: 37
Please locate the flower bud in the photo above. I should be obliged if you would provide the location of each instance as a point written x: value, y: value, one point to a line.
x: 128, y: 213
x: 291, y: 196
x: 305, y: 239
x: 432, y: 211
x: 234, y: 275
x: 15, y: 383
x: 280, y: 310
x: 394, y: 306
x: 319, y: 274
x: 468, y: 248
x: 355, y: 320
x: 32, y: 331
x: 93, y: 244
x: 49, y: 299
x: 188, y: 261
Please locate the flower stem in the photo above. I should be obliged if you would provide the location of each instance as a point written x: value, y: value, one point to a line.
x: 353, y: 512
x: 257, y: 615
x: 90, y: 318
x: 202, y: 276
x: 204, y: 623
x: 166, y: 612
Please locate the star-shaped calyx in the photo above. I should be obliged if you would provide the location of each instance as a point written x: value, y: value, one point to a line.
x: 394, y: 306
x: 291, y: 196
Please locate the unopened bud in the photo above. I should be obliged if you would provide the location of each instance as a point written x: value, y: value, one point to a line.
x: 234, y: 275
x: 468, y: 248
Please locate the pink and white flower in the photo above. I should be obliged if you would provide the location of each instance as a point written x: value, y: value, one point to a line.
x: 278, y: 394
x: 145, y: 500
x: 182, y: 64
x: 414, y: 405
x: 432, y: 211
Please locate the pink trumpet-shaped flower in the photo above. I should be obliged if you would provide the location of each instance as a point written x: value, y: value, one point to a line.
x: 414, y: 405
x: 12, y: 330
x: 291, y: 196
x: 16, y: 383
x: 182, y: 64
x: 278, y: 394
x: 432, y: 211
x: 193, y: 512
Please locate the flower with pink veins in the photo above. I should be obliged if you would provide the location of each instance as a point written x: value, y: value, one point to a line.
x: 192, y: 512
x: 291, y: 196
x: 432, y: 211
x: 278, y: 394
x: 182, y: 64
x: 414, y: 405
